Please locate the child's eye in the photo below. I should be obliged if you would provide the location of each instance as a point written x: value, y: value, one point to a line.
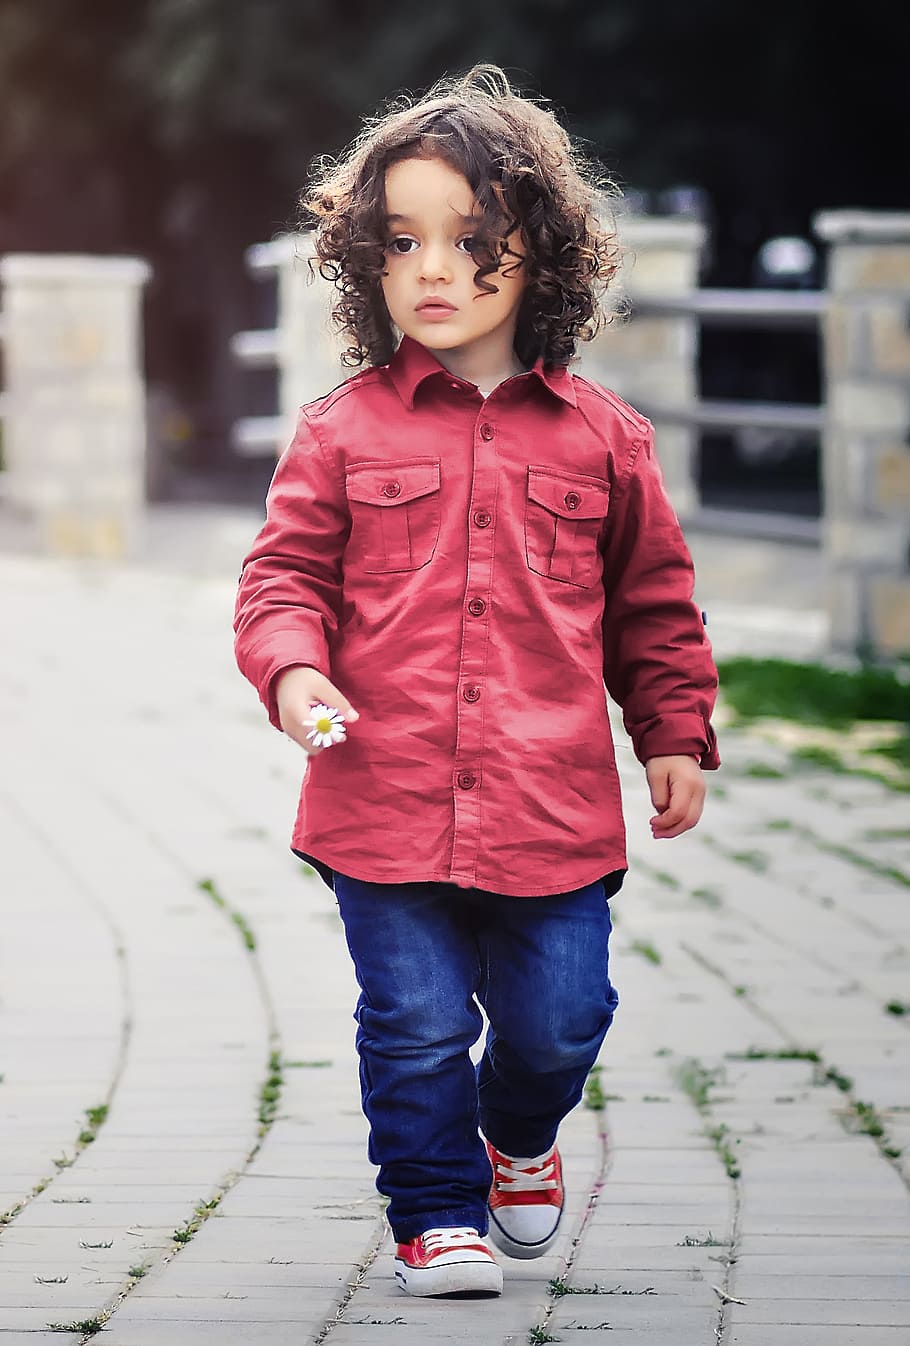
x: 402, y: 245
x: 468, y: 243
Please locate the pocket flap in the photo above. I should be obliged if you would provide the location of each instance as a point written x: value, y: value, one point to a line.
x: 568, y: 494
x: 392, y: 483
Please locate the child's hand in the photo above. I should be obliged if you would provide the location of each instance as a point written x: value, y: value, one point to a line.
x: 296, y: 692
x: 677, y: 792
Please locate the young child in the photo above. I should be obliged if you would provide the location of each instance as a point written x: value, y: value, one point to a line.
x: 469, y: 543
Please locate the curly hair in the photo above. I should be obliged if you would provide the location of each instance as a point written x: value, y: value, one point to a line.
x: 525, y: 171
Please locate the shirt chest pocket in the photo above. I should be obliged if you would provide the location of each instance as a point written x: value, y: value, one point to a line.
x: 395, y: 513
x: 563, y: 521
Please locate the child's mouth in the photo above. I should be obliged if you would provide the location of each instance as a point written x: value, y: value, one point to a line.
x: 435, y: 309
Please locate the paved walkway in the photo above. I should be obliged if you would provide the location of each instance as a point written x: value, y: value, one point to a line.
x: 183, y: 1152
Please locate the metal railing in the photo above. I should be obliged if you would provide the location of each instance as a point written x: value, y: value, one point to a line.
x: 786, y: 310
x: 742, y: 310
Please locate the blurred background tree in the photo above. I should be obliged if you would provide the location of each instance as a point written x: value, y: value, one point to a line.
x: 181, y: 130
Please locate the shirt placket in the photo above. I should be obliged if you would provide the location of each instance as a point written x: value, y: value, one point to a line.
x: 467, y: 778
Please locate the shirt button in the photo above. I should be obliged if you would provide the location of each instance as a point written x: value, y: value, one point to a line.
x: 477, y: 607
x: 573, y: 500
x: 391, y: 488
x: 487, y: 431
x: 471, y: 694
x: 466, y: 780
x: 482, y: 518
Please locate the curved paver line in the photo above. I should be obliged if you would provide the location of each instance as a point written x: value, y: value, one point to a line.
x: 126, y: 1133
x: 27, y: 849
x: 186, y: 781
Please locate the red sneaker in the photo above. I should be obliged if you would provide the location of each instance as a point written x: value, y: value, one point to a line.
x: 452, y: 1261
x: 526, y: 1202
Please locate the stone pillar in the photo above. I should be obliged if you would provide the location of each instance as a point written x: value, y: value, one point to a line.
x: 309, y: 349
x: 865, y: 448
x: 74, y: 407
x: 649, y: 359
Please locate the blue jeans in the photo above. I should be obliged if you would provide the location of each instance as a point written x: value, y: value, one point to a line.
x: 422, y: 952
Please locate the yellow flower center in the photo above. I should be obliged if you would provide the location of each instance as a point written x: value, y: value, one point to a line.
x: 323, y: 724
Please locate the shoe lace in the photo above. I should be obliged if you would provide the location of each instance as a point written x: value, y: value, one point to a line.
x: 515, y: 1175
x: 434, y: 1239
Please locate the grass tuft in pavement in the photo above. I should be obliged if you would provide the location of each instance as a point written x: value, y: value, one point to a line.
x: 594, y: 1097
x: 87, y: 1326
x: 647, y: 950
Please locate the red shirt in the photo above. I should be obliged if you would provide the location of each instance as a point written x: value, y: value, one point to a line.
x: 470, y: 573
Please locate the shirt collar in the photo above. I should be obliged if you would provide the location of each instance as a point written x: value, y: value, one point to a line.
x: 412, y: 363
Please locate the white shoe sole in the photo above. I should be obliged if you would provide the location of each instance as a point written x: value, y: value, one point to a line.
x: 455, y: 1278
x: 524, y: 1251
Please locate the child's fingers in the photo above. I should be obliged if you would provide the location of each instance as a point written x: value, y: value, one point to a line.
x: 326, y: 715
x: 684, y: 812
x: 659, y: 786
x: 299, y: 735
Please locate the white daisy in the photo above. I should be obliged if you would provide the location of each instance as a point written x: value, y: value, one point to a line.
x: 328, y: 726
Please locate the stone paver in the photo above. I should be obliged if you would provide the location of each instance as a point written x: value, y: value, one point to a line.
x: 169, y: 970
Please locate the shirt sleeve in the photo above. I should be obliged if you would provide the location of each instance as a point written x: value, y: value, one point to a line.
x: 289, y: 593
x: 658, y: 664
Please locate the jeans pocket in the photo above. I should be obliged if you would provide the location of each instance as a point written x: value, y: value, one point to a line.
x: 395, y: 514
x: 564, y: 520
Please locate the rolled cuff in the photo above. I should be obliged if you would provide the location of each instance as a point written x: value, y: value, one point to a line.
x: 275, y: 655
x: 681, y: 735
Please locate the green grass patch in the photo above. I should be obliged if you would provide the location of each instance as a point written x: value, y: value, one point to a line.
x: 836, y: 1077
x: 898, y: 752
x: 202, y: 1212
x: 831, y: 698
x: 757, y: 861
x: 697, y: 1081
x: 87, y: 1326
x: 709, y: 896
x: 209, y: 886
x: 647, y: 950
x: 763, y: 771
x: 864, y: 1118
x: 814, y: 693
x: 861, y: 861
x: 558, y: 1288
x: 776, y: 1054
x: 813, y: 755
x: 270, y: 1093
x: 594, y: 1096
x: 723, y: 1143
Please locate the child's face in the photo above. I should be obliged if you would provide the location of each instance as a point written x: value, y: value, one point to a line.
x: 432, y: 216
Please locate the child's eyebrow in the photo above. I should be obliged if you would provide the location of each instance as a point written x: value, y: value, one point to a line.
x: 409, y: 219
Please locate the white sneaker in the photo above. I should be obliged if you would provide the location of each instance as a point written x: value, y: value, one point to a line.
x: 526, y: 1202
x: 448, y: 1261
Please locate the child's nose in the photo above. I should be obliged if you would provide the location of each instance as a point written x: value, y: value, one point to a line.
x: 435, y: 262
